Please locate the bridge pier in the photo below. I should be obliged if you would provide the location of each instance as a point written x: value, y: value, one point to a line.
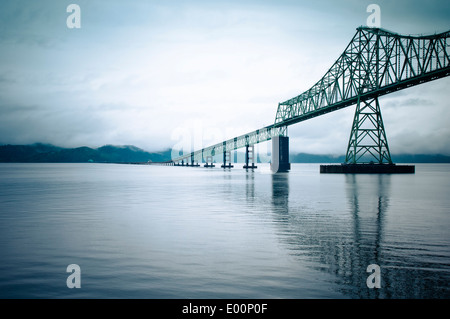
x: 280, y: 154
x: 368, y: 150
x: 227, y: 159
x: 193, y: 164
x: 367, y: 169
x: 250, y: 156
x: 209, y: 162
x: 193, y: 161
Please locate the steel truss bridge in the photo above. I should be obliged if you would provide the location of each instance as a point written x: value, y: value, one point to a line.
x: 376, y: 62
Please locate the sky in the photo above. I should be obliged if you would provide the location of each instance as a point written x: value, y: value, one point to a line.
x: 160, y: 74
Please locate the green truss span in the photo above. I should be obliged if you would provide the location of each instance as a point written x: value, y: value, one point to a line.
x: 375, y: 62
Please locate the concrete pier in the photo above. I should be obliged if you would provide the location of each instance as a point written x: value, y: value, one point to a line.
x: 280, y: 154
x: 209, y: 162
x: 367, y: 169
x: 227, y: 160
x: 250, y: 157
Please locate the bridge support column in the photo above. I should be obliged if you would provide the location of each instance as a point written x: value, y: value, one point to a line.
x: 280, y: 154
x: 368, y: 150
x: 193, y: 161
x: 209, y: 162
x: 227, y: 159
x: 250, y: 156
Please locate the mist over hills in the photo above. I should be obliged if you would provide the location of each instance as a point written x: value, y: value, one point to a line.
x: 45, y: 153
x: 396, y: 158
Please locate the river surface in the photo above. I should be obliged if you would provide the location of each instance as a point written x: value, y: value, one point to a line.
x: 147, y: 231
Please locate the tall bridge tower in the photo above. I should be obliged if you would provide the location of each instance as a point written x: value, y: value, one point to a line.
x: 376, y: 62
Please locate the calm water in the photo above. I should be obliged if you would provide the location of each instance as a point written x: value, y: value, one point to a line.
x: 177, y: 232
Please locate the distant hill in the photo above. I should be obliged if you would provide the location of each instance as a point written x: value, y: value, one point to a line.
x: 421, y: 158
x: 44, y: 153
x: 313, y: 158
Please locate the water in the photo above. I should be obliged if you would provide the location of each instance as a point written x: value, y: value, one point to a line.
x: 174, y: 232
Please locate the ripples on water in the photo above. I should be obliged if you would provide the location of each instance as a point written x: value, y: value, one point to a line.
x: 176, y: 232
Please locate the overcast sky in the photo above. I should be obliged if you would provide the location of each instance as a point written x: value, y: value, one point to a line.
x: 149, y: 73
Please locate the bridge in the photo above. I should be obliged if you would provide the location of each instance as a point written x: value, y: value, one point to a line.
x: 376, y: 62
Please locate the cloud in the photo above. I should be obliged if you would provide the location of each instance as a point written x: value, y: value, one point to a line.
x: 137, y: 72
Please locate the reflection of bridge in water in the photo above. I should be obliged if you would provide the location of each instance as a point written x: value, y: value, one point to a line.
x: 376, y: 62
x: 343, y: 244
